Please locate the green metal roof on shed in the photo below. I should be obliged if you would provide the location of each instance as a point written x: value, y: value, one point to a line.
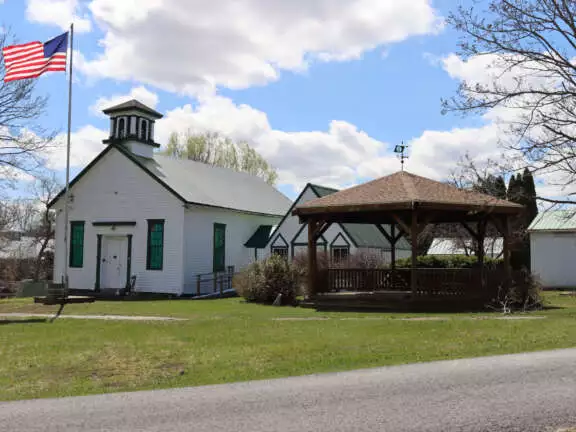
x: 554, y: 220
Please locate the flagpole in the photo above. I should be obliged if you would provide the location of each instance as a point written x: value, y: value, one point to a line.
x: 67, y: 195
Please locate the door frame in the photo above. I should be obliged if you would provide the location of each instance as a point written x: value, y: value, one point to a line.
x: 223, y: 228
x: 99, y: 259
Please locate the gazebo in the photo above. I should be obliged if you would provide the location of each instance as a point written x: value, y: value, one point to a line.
x: 408, y: 203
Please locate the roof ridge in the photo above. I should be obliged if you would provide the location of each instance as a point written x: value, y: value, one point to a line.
x: 324, y: 187
x: 408, y: 183
x: 215, y: 167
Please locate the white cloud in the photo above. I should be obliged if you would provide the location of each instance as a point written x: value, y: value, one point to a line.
x: 85, y: 144
x: 59, y: 13
x: 328, y: 157
x: 192, y: 46
x: 140, y: 93
x: 435, y: 154
x: 14, y: 166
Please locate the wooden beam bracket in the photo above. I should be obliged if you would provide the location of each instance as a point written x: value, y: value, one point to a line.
x: 474, y: 234
x: 320, y: 228
x: 402, y: 224
x: 388, y: 237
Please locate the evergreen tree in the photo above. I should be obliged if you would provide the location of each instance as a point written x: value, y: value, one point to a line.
x: 500, y: 188
x: 511, y: 193
x: 522, y: 190
x: 530, y: 196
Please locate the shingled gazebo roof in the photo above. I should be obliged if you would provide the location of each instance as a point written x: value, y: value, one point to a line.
x: 404, y: 191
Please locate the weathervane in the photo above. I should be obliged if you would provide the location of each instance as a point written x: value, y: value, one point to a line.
x: 401, y: 149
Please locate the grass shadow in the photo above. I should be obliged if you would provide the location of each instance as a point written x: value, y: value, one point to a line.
x: 23, y: 321
x: 550, y: 307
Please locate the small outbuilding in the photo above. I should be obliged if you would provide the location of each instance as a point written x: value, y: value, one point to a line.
x: 553, y: 248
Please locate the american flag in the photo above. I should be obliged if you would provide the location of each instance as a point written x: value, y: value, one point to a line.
x: 32, y: 59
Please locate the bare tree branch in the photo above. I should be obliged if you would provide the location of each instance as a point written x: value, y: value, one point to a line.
x: 531, y: 45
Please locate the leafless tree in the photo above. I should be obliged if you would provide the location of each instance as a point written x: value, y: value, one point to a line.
x: 22, y: 141
x: 467, y: 174
x: 530, y: 46
x: 31, y: 218
x: 45, y: 189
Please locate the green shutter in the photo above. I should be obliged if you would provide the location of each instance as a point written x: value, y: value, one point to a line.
x: 76, y: 258
x: 155, y: 252
x: 219, y: 261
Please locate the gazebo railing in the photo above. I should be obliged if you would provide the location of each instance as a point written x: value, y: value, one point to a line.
x: 346, y: 279
x: 429, y: 281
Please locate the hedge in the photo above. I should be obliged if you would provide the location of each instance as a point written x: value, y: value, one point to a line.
x: 453, y: 261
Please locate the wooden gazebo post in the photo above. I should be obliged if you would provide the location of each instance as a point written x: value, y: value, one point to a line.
x: 506, y: 249
x: 503, y: 225
x: 480, y: 240
x: 393, y: 246
x: 312, y: 256
x: 414, y: 238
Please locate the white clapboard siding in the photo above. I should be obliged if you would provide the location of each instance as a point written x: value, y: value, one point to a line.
x: 198, y: 238
x: 552, y: 258
x: 117, y: 189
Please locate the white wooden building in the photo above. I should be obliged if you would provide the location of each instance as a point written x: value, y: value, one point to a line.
x: 553, y: 248
x: 163, y: 220
x: 290, y: 238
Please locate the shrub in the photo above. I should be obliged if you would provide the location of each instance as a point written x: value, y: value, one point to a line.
x: 526, y: 291
x: 262, y: 281
x: 365, y: 260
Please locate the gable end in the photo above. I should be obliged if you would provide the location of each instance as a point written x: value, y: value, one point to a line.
x: 98, y: 158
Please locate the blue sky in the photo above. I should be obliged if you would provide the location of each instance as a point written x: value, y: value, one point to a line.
x: 324, y: 102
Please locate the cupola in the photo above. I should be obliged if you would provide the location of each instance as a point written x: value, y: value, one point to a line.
x: 132, y: 126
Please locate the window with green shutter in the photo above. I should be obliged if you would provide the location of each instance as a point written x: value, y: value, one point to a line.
x: 219, y: 262
x: 155, y: 252
x: 76, y: 258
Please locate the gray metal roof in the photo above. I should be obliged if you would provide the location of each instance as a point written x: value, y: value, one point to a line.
x: 554, y: 220
x: 199, y: 183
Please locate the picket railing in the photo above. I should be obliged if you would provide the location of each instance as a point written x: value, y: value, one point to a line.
x: 214, y: 282
x: 429, y: 282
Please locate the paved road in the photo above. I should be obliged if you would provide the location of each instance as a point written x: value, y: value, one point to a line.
x: 526, y: 392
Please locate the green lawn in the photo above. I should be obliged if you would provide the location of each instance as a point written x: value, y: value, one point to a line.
x: 227, y: 340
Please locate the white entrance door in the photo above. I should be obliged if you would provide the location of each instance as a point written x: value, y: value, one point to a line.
x: 114, y: 262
